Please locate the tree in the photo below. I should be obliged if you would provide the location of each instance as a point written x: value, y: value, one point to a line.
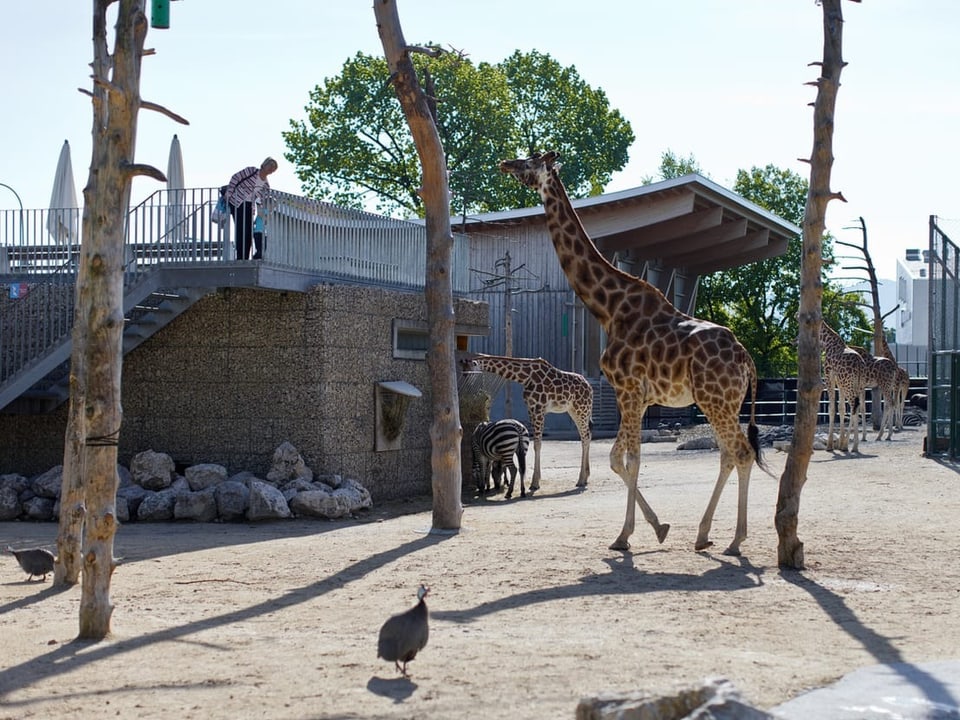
x: 672, y: 166
x: 760, y: 301
x: 88, y: 497
x: 354, y: 148
x: 554, y: 109
x: 445, y: 431
x: 809, y: 384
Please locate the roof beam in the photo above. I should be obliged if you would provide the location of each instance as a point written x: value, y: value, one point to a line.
x: 665, y: 231
x: 775, y: 248
x: 703, y: 240
x: 626, y: 216
x: 745, y: 243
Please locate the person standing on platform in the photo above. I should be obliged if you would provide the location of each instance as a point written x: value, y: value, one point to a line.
x: 247, y: 188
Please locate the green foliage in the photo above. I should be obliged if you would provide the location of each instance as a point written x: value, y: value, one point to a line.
x: 672, y: 166
x: 760, y: 301
x: 355, y: 148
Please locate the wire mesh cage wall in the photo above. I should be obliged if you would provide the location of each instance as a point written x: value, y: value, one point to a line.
x: 943, y: 398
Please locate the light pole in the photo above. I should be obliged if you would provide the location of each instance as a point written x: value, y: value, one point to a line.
x: 20, y: 202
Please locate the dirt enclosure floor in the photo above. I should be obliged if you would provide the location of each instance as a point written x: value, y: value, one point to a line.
x: 530, y: 610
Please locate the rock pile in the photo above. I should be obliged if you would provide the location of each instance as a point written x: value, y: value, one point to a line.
x: 151, y: 491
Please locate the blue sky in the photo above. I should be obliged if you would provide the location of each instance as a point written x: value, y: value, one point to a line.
x: 718, y: 79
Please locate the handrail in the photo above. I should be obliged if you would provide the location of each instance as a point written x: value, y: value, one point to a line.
x: 302, y: 233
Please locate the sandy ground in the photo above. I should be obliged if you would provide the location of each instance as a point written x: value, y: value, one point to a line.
x: 529, y: 609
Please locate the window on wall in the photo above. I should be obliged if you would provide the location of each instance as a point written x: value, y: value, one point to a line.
x: 410, y: 339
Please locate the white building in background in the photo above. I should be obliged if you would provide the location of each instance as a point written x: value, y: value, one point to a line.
x: 913, y: 313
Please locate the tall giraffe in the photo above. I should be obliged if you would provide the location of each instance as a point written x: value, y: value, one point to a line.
x: 655, y: 354
x: 845, y: 369
x: 546, y: 389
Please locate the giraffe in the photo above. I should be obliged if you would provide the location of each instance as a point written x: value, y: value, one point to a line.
x: 546, y: 389
x: 655, y: 354
x: 879, y: 373
x: 903, y: 384
x: 845, y: 369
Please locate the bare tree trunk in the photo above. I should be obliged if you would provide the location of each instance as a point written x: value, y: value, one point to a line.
x: 95, y: 414
x: 879, y: 341
x: 72, y: 504
x: 809, y: 388
x: 445, y: 431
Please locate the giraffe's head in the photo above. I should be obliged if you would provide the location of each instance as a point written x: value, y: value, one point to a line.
x: 534, y: 170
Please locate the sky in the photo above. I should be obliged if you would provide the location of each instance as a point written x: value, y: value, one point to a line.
x: 721, y: 80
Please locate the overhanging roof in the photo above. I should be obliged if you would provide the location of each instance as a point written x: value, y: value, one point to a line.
x: 688, y: 222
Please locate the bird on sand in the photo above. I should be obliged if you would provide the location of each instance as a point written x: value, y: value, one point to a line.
x: 34, y: 561
x: 403, y: 636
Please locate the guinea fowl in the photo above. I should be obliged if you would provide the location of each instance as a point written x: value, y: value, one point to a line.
x: 34, y: 561
x: 403, y: 636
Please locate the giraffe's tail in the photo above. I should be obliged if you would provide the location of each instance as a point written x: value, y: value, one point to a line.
x: 753, y: 432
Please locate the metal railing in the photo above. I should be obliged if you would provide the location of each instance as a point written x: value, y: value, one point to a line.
x: 175, y: 226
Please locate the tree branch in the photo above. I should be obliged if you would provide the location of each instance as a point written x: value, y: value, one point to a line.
x: 147, y: 105
x: 135, y: 169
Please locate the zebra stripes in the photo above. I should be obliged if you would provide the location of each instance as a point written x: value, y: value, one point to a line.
x: 494, y: 444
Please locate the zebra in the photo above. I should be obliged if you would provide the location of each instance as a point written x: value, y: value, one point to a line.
x: 494, y: 445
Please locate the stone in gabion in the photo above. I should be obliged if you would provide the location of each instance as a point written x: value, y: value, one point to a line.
x: 132, y: 496
x: 232, y: 498
x: 205, y: 475
x: 38, y: 508
x: 9, y: 503
x: 48, y: 484
x: 287, y: 465
x: 358, y: 496
x: 242, y: 496
x: 317, y: 503
x: 123, y: 510
x: 334, y: 481
x: 266, y: 502
x: 295, y: 486
x: 152, y: 470
x: 157, y: 506
x: 17, y: 482
x: 198, y: 506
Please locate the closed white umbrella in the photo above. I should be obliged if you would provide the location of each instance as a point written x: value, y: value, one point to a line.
x: 176, y: 195
x: 63, y: 220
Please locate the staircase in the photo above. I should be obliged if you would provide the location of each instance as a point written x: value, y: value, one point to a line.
x: 41, y: 382
x: 606, y: 415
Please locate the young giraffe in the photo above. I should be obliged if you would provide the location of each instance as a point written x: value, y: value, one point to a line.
x: 903, y: 384
x: 546, y: 389
x: 845, y: 369
x: 879, y: 373
x: 655, y: 354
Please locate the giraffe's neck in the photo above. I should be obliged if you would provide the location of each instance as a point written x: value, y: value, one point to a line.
x: 884, y: 349
x: 507, y: 368
x: 833, y: 344
x: 590, y: 274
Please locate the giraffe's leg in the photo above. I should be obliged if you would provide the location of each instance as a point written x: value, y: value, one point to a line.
x: 874, y: 392
x: 844, y: 421
x: 855, y: 413
x: 735, y: 451
x: 831, y: 408
x: 583, y: 426
x: 743, y: 492
x: 536, y: 420
x: 887, y: 418
x: 625, y: 461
